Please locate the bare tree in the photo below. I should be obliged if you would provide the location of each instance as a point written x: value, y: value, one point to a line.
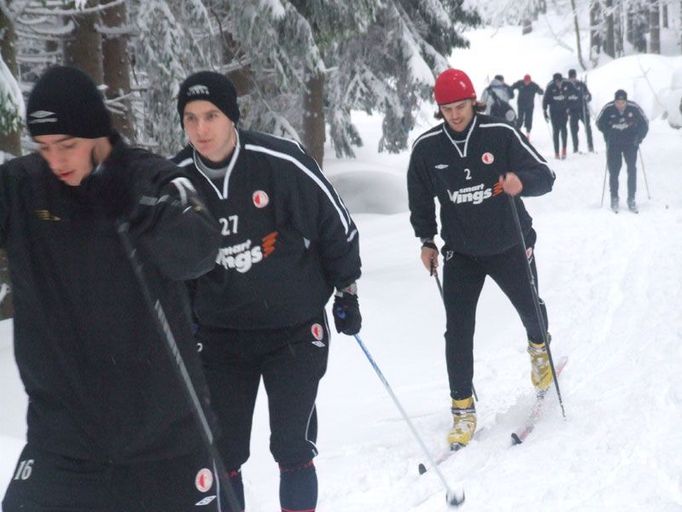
x: 610, y: 32
x: 595, y: 31
x: 577, y: 35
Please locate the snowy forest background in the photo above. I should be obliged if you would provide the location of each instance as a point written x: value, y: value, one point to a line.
x: 301, y: 66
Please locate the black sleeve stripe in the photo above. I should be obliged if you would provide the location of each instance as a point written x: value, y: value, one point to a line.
x: 320, y: 181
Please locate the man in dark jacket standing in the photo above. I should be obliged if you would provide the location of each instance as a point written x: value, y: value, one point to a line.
x: 579, y: 110
x: 624, y: 126
x: 526, y: 102
x: 108, y: 428
x: 288, y: 242
x: 556, y: 100
x: 472, y: 163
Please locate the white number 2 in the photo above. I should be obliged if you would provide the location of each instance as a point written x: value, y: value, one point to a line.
x: 24, y: 469
x: 467, y: 171
x: 229, y: 224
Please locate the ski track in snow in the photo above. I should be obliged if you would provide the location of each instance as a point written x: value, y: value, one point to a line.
x: 612, y: 288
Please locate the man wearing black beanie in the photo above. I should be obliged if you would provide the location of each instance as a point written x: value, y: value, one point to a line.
x: 107, y: 427
x: 283, y: 225
x: 624, y: 126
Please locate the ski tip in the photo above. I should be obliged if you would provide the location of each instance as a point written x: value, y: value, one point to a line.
x: 422, y: 469
x: 516, y: 439
x: 453, y: 500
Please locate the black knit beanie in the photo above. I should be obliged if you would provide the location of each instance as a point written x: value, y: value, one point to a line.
x: 66, y: 101
x: 209, y: 86
x: 620, y: 95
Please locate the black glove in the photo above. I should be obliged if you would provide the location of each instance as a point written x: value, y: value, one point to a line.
x: 346, y: 310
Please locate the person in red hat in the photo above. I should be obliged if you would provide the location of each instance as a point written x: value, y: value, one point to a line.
x: 525, y: 102
x: 470, y: 162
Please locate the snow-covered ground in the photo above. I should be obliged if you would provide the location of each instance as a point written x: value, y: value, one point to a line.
x: 612, y: 286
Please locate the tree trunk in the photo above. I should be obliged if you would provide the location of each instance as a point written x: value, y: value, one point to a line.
x: 619, y: 30
x: 664, y: 13
x: 313, y: 117
x: 116, y: 68
x: 83, y: 48
x: 610, y: 37
x: 655, y: 27
x: 577, y: 36
x: 595, y: 32
x: 526, y: 26
x: 10, y: 141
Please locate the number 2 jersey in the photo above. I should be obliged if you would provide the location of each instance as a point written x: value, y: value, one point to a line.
x: 462, y: 170
x: 287, y: 237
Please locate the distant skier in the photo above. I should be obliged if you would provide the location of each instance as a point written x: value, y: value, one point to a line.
x: 497, y: 97
x: 525, y: 102
x: 624, y: 126
x: 471, y: 162
x: 579, y: 110
x: 556, y: 99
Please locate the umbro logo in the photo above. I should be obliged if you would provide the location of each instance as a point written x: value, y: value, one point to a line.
x: 205, y: 501
x: 441, y: 166
x: 198, y: 90
x: 42, y: 116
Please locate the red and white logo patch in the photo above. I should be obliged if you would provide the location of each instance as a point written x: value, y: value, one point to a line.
x: 317, y: 331
x: 260, y: 199
x: 204, y: 480
x: 487, y: 158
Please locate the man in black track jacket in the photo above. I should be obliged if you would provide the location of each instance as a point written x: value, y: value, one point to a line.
x: 579, y: 110
x: 526, y: 102
x: 555, y: 99
x: 108, y: 426
x: 624, y: 126
x: 288, y: 242
x: 471, y: 163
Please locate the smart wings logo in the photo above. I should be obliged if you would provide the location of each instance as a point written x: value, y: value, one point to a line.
x: 243, y: 256
x: 474, y: 195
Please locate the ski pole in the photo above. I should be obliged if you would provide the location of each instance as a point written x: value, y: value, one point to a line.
x: 603, y: 187
x: 164, y: 330
x: 646, y: 184
x: 536, y: 301
x: 434, y: 273
x: 606, y: 167
x: 452, y: 498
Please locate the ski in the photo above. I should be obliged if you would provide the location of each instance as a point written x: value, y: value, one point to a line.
x: 520, y: 435
x: 449, y: 453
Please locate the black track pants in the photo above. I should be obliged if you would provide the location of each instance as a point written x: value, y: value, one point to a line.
x: 463, y: 278
x: 559, y: 121
x: 291, y: 361
x: 575, y: 118
x: 614, y: 159
x: 525, y: 118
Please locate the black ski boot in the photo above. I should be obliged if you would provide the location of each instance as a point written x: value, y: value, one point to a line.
x: 614, y: 204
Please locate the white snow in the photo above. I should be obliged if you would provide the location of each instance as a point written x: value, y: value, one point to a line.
x: 612, y: 287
